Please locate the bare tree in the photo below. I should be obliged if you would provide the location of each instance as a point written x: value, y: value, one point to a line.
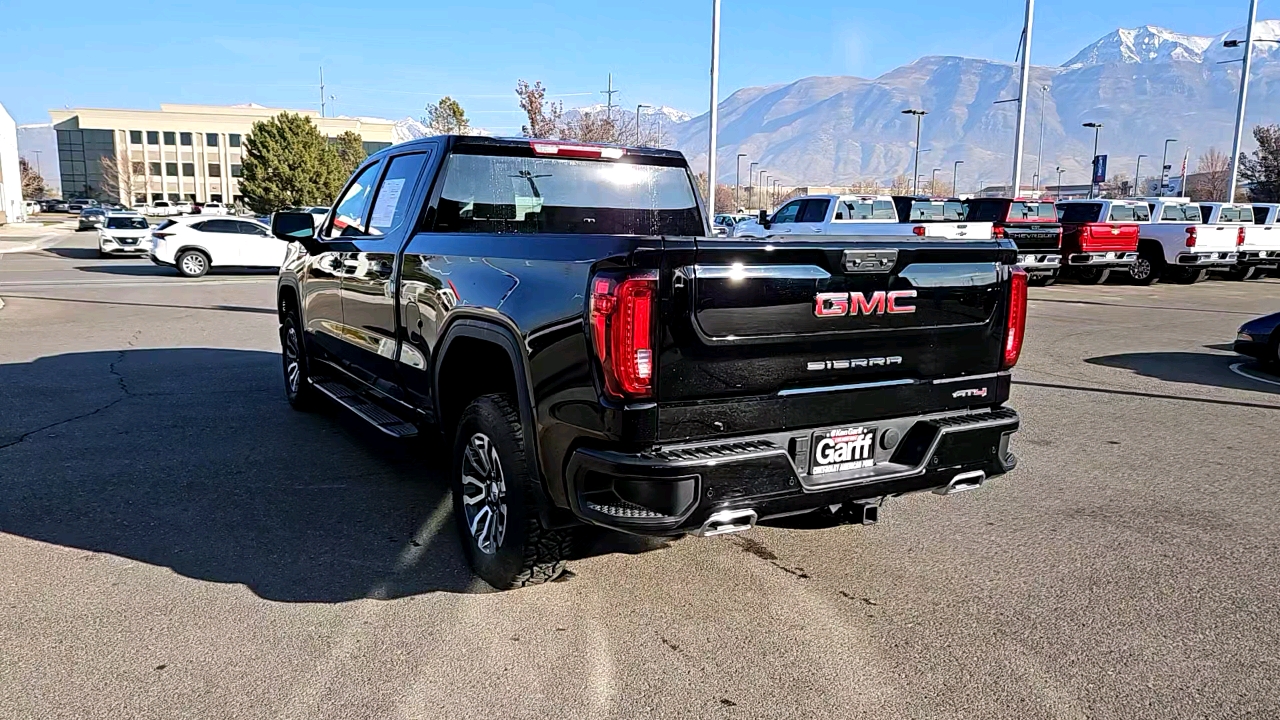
x: 545, y: 119
x: 32, y: 183
x: 1213, y: 174
x: 121, y: 179
x: 901, y: 185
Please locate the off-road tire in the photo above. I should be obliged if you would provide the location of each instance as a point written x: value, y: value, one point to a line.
x: 1092, y: 275
x: 192, y: 263
x: 302, y: 396
x: 528, y: 553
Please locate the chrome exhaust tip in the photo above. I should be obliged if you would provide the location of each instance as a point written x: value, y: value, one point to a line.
x: 963, y: 482
x: 727, y: 521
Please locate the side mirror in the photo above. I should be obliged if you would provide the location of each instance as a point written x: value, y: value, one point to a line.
x: 764, y: 220
x: 296, y: 227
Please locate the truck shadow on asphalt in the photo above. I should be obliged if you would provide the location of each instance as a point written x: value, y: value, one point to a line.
x: 150, y: 270
x: 1192, y: 368
x: 191, y: 459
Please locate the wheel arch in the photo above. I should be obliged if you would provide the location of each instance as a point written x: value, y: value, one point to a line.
x: 477, y: 356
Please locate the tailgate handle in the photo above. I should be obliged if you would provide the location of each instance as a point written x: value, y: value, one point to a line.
x: 870, y: 261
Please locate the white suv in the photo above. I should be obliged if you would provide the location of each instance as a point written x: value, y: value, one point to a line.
x: 123, y: 233
x: 195, y: 244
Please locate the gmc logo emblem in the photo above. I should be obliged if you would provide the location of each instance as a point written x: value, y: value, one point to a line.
x: 879, y: 303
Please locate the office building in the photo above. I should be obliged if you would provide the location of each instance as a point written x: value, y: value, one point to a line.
x: 180, y: 152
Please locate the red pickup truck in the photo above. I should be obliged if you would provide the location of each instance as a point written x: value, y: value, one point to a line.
x: 1099, y: 236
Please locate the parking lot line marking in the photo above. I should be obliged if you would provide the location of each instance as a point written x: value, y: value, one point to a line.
x: 116, y: 283
x: 1237, y: 370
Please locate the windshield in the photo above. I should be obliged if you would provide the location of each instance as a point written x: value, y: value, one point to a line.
x: 866, y: 209
x: 526, y: 195
x: 1032, y: 212
x: 936, y: 211
x: 126, y: 223
x: 1130, y: 213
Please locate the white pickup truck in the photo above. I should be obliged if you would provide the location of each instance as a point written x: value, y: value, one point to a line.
x: 865, y: 215
x: 1260, y: 247
x: 1176, y: 244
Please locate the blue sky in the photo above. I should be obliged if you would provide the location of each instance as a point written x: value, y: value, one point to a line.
x: 389, y: 58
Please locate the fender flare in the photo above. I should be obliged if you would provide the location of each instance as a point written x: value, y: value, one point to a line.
x: 503, y: 335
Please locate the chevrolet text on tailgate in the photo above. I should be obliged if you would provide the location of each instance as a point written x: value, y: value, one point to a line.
x: 558, y: 312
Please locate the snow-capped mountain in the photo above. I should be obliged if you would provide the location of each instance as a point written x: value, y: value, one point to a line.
x: 1143, y: 84
x: 1143, y: 45
x: 669, y: 114
x: 410, y: 129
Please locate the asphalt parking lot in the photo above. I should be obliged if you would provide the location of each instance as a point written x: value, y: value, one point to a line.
x: 177, y: 542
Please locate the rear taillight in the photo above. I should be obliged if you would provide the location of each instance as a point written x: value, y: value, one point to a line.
x: 1239, y: 237
x: 918, y: 230
x: 1191, y: 237
x: 621, y: 315
x: 997, y: 233
x: 161, y: 235
x: 1017, y: 325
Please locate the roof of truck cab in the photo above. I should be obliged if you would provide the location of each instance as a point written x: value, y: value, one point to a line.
x: 452, y: 141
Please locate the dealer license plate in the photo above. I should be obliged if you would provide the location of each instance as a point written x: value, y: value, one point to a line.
x: 843, y: 449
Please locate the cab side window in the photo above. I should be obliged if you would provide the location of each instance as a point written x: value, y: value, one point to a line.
x: 788, y: 212
x: 349, y: 215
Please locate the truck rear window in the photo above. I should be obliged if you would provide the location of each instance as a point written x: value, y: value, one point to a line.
x: 866, y: 210
x: 1236, y: 215
x: 1181, y: 213
x: 1130, y: 213
x: 532, y: 195
x: 936, y: 211
x: 1032, y: 212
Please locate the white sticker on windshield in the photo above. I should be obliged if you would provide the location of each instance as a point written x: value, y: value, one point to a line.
x: 384, y: 211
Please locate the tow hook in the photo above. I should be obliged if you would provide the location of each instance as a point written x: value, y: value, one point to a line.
x: 727, y: 521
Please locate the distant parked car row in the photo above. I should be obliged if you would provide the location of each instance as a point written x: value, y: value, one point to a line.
x: 1148, y: 238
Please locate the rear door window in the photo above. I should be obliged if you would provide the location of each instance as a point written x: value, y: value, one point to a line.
x: 813, y: 211
x: 936, y: 211
x: 391, y: 203
x: 352, y: 209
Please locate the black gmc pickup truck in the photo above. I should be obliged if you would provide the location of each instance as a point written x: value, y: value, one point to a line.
x: 561, y: 314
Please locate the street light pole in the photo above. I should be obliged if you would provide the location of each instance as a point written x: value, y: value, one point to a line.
x: 764, y: 188
x: 1060, y: 172
x: 1137, y: 175
x: 715, y: 105
x: 916, y: 168
x: 955, y: 178
x: 37, y: 154
x: 751, y: 181
x: 639, y: 143
x: 1097, y: 128
x: 933, y: 182
x: 1040, y: 152
x: 1244, y: 92
x: 737, y: 181
x: 1164, y: 165
x: 1025, y: 79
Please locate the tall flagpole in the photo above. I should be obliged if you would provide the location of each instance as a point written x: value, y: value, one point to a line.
x: 1025, y: 80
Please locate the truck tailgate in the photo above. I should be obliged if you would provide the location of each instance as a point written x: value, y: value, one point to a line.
x: 1215, y: 238
x: 1261, y: 237
x: 803, y: 326
x: 957, y: 230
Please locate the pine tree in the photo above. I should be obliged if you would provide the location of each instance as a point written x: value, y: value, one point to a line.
x: 1263, y: 167
x: 288, y: 163
x: 447, y: 118
x: 350, y: 148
